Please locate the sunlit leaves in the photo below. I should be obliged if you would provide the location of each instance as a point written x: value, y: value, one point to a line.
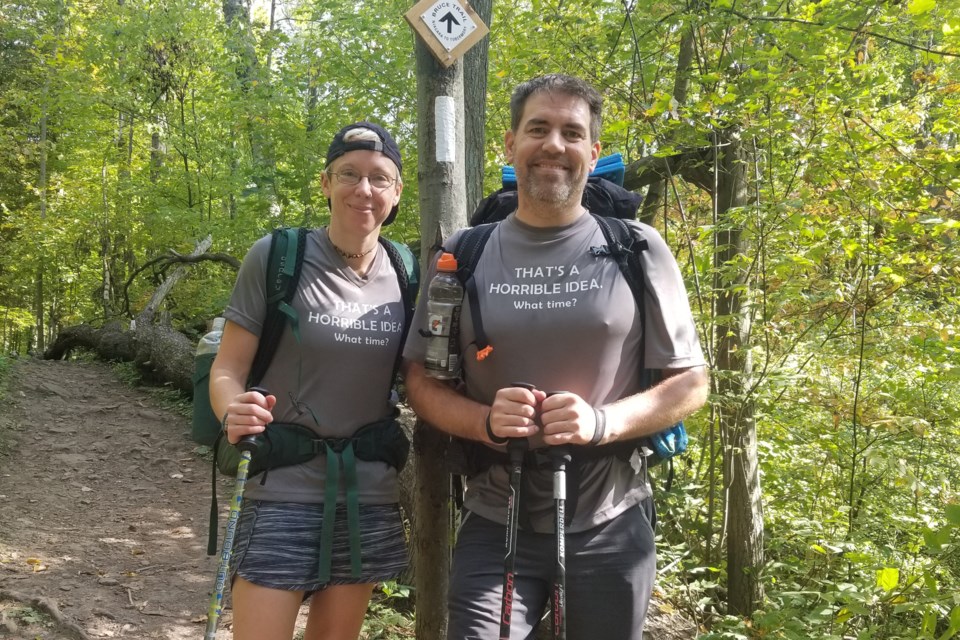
x: 887, y: 578
x: 919, y: 7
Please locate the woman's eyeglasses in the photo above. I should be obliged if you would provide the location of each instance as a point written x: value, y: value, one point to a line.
x: 350, y: 178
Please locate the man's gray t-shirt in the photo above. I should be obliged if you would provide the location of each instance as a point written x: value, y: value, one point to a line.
x: 340, y: 372
x: 562, y: 318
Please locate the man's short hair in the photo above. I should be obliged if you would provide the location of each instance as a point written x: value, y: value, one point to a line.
x: 558, y: 83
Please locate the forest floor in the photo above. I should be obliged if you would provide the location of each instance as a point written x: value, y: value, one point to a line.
x: 104, y: 504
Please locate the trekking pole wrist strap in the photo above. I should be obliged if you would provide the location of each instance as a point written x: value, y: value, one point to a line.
x: 494, y: 438
x: 599, y: 426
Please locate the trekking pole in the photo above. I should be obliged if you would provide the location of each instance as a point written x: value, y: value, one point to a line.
x: 516, y: 447
x: 248, y: 445
x: 560, y: 457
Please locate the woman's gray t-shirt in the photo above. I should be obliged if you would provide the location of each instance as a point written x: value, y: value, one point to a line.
x: 340, y: 372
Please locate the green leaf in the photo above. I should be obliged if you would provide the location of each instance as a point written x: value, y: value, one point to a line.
x: 919, y: 7
x: 953, y: 514
x: 887, y: 578
x: 936, y: 538
x: 954, y: 625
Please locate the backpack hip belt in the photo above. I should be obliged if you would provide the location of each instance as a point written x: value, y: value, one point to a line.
x: 288, y: 444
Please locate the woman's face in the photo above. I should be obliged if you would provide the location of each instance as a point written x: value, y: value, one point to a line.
x: 361, y: 207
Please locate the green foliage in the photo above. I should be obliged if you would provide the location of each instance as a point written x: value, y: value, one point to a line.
x: 390, y: 615
x: 30, y: 616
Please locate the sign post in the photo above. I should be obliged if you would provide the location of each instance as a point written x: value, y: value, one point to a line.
x: 446, y: 29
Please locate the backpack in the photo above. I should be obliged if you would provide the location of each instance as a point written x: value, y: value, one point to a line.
x: 290, y: 444
x: 610, y: 205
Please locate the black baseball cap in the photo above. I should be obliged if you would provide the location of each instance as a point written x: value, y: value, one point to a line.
x: 385, y: 145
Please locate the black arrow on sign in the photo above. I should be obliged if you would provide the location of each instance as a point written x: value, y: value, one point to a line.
x: 450, y: 20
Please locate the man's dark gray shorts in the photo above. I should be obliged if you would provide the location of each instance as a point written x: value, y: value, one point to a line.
x: 610, y: 574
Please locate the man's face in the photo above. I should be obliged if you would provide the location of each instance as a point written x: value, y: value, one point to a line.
x: 551, y: 148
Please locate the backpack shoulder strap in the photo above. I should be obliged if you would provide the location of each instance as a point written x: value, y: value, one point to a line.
x: 467, y: 253
x: 626, y: 245
x: 284, y: 265
x: 408, y: 278
x: 407, y: 267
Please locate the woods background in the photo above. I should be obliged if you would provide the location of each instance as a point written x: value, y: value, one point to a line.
x: 802, y: 159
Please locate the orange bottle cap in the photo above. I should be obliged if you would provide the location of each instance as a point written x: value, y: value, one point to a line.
x: 447, y: 262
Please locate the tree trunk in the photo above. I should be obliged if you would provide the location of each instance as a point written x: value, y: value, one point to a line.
x: 440, y: 171
x: 475, y: 107
x: 309, y: 159
x: 733, y: 373
x: 156, y: 156
x: 162, y: 355
x: 252, y: 76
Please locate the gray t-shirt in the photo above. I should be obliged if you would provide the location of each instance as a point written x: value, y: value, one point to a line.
x: 561, y: 318
x: 340, y: 372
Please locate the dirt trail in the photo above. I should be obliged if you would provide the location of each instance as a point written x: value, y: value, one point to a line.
x: 103, y: 511
x: 103, y: 514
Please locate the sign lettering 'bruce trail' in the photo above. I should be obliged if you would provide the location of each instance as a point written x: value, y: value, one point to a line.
x: 447, y: 27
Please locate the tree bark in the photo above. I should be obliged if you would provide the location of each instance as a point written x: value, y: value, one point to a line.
x: 733, y: 374
x: 162, y: 355
x: 146, y: 316
x: 440, y: 169
x: 236, y: 14
x: 475, y: 66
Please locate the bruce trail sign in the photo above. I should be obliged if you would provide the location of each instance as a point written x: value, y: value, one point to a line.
x: 448, y: 27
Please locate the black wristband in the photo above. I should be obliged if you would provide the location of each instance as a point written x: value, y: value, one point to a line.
x: 600, y: 426
x: 495, y: 439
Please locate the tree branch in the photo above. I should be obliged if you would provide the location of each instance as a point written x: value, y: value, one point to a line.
x: 689, y: 165
x: 171, y: 258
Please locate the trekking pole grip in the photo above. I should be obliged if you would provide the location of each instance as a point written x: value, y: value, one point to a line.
x: 252, y: 442
x: 560, y: 454
x: 518, y: 446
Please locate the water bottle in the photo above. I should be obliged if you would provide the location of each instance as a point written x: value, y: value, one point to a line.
x: 205, y: 425
x: 210, y: 343
x: 444, y: 301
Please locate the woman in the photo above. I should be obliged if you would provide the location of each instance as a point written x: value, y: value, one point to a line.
x: 334, y: 379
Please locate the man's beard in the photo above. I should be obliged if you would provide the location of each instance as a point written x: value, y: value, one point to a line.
x: 552, y: 191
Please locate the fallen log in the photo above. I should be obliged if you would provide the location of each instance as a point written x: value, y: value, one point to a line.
x: 161, y: 354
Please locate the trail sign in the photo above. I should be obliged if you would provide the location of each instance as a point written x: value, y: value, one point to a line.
x: 447, y: 27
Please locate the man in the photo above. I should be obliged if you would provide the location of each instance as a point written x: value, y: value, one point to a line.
x: 560, y: 317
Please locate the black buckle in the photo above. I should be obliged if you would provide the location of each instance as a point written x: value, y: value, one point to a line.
x: 337, y: 445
